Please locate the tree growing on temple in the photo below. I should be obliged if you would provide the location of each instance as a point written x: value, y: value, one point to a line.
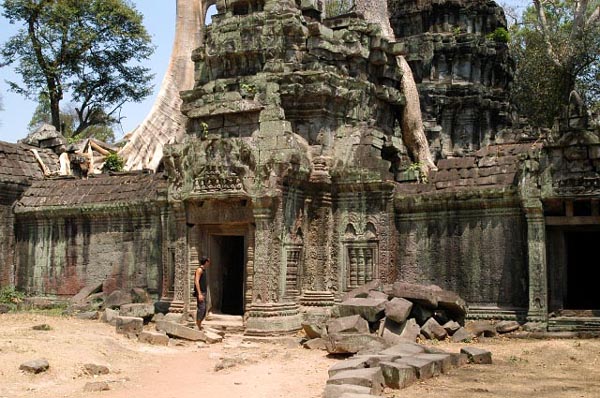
x: 89, y: 51
x: 557, y: 51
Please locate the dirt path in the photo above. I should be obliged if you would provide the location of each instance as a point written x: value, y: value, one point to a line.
x: 522, y: 368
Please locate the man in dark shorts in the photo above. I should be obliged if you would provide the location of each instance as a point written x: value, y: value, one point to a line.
x: 200, y: 289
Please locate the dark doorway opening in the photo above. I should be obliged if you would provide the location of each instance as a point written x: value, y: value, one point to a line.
x: 226, y: 275
x: 583, y: 270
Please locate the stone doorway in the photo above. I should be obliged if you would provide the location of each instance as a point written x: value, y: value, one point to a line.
x: 574, y: 268
x: 226, y: 274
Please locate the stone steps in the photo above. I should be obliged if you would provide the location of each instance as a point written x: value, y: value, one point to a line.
x: 230, y: 324
x: 574, y: 324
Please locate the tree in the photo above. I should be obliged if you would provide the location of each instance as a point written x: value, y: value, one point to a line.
x: 557, y: 52
x: 90, y: 50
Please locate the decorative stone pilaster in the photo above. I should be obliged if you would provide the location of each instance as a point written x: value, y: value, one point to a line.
x: 316, y: 306
x: 180, y: 301
x: 272, y: 319
x: 263, y: 290
x: 536, y: 247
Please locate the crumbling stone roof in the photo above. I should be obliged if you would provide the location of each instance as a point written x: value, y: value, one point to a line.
x: 110, y: 191
x: 18, y: 164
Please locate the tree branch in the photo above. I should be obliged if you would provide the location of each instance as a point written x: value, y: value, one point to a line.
x: 543, y: 24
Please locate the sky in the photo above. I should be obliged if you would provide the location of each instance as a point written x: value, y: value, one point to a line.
x: 159, y: 19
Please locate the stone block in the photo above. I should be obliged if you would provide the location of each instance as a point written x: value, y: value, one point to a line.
x: 421, y: 313
x: 452, y: 303
x: 443, y: 362
x: 481, y: 328
x: 314, y: 330
x: 139, y: 310
x: 348, y: 324
x: 140, y: 295
x: 368, y: 377
x: 477, y: 355
x: 424, y: 368
x: 348, y: 364
x: 370, y: 309
x: 376, y: 294
x: 83, y: 294
x: 451, y: 327
x: 87, y: 315
x: 129, y: 326
x: 316, y: 344
x: 110, y: 316
x: 362, y: 291
x: 340, y: 343
x: 507, y: 326
x: 36, y: 366
x: 154, y: 338
x: 404, y: 350
x: 337, y: 390
x: 96, y: 386
x: 394, y: 333
x: 433, y: 331
x: 398, y: 309
x: 117, y: 298
x: 180, y: 331
x: 398, y: 375
x: 461, y: 335
x: 92, y: 369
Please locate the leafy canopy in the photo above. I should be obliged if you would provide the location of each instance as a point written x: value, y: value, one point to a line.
x: 89, y: 50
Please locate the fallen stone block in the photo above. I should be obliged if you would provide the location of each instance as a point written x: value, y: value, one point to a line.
x: 433, y: 331
x: 403, y: 350
x: 459, y: 359
x: 92, y: 369
x: 373, y: 360
x: 348, y: 364
x: 394, y: 333
x: 422, y: 295
x: 477, y: 355
x: 443, y: 362
x: 36, y: 366
x: 481, y: 328
x: 96, y: 386
x: 180, y: 331
x: 213, y: 337
x: 452, y: 303
x: 140, y: 295
x: 5, y: 308
x: 398, y: 375
x: 110, y: 316
x: 507, y: 326
x: 44, y: 327
x: 87, y: 316
x: 461, y: 336
x: 117, y: 298
x: 398, y: 309
x: 421, y: 314
x: 451, y: 327
x: 337, y: 390
x: 367, y: 377
x: 314, y: 330
x: 340, y: 343
x: 154, y: 338
x: 369, y: 309
x: 129, y: 326
x: 424, y: 368
x: 82, y: 295
x: 138, y: 310
x: 316, y: 344
x: 354, y: 395
x: 376, y: 294
x: 362, y: 291
x: 348, y: 324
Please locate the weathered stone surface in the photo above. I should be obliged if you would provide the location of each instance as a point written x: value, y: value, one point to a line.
x: 404, y: 349
x: 340, y: 343
x: 452, y: 303
x: 212, y: 337
x: 461, y: 335
x: 110, y: 316
x: 348, y: 324
x: 180, y: 331
x: 316, y: 344
x: 425, y: 368
x: 451, y: 327
x: 376, y: 294
x: 477, y: 355
x: 481, y: 328
x: 129, y: 326
x: 443, y: 362
x: 88, y: 315
x: 95, y: 370
x: 36, y: 366
x: 83, y: 294
x: 398, y: 375
x: 368, y: 377
x: 4, y: 308
x: 154, y: 338
x: 117, y: 298
x: 347, y: 364
x: 140, y: 295
x: 432, y: 330
x: 373, y: 360
x: 507, y: 326
x: 416, y: 293
x: 421, y: 314
x: 96, y: 386
x: 370, y: 309
x: 139, y: 310
x: 43, y: 327
x: 337, y: 390
x: 314, y: 330
x: 398, y: 309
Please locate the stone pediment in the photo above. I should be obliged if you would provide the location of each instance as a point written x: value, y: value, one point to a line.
x: 217, y: 180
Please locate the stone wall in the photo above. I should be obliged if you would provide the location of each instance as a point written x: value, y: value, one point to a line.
x: 8, y: 195
x: 60, y: 255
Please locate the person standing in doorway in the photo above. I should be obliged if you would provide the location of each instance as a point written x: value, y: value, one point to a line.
x: 200, y: 290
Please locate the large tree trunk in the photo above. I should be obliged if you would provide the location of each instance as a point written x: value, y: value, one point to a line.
x: 166, y: 124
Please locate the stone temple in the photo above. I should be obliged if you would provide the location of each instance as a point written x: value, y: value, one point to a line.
x: 305, y: 172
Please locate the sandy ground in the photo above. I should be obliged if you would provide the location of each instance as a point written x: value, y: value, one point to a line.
x: 522, y: 368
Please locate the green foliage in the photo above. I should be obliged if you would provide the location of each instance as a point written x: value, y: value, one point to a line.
x: 499, y: 35
x: 113, y: 163
x: 554, y: 57
x: 91, y: 50
x: 10, y: 295
x: 334, y: 8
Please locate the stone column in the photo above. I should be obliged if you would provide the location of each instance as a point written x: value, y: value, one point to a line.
x: 538, y: 275
x: 181, y: 286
